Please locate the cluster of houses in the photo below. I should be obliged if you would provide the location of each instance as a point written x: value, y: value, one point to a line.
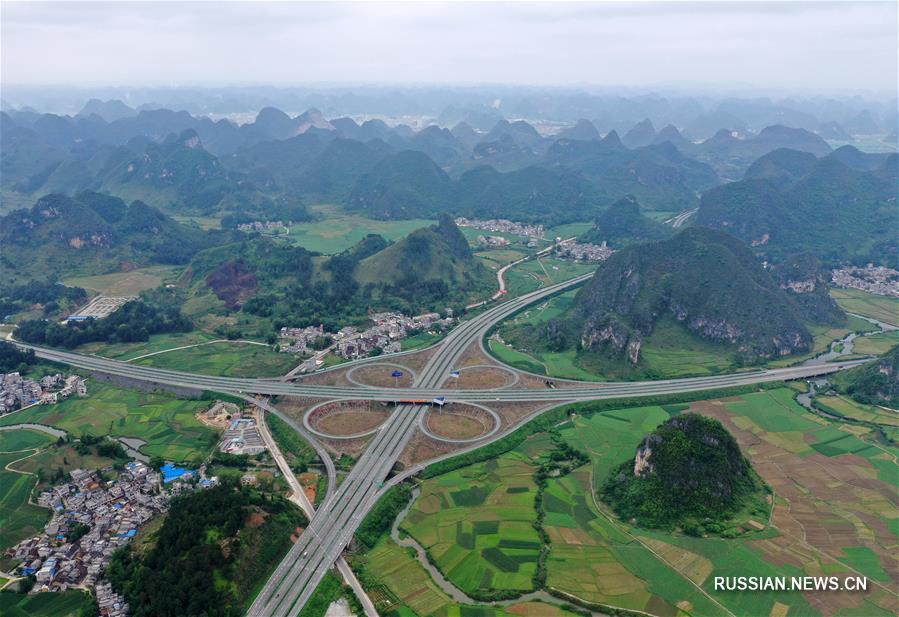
x: 17, y: 391
x: 504, y: 226
x: 583, y: 251
x: 92, y: 518
x: 265, y: 226
x: 497, y: 241
x: 109, y: 511
x: 386, y: 332
x: 109, y: 602
x: 873, y: 279
x: 299, y: 340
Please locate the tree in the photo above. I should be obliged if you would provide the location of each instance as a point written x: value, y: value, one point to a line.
x: 27, y: 584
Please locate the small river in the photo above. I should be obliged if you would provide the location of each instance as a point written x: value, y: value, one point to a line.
x: 843, y: 347
x: 132, y: 446
x: 43, y: 428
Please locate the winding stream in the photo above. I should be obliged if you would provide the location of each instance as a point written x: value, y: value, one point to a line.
x: 843, y: 347
x: 43, y: 428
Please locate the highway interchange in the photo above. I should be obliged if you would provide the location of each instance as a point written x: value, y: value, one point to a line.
x: 333, y: 525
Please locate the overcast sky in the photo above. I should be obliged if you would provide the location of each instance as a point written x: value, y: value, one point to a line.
x: 794, y: 46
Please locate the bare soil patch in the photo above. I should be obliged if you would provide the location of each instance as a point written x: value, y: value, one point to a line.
x: 350, y: 447
x: 415, y: 361
x: 381, y: 376
x: 453, y: 425
x: 473, y: 356
x: 422, y: 448
x: 336, y: 377
x: 342, y: 418
x: 296, y: 406
x: 481, y: 377
x: 823, y: 505
x: 256, y: 519
x: 350, y: 422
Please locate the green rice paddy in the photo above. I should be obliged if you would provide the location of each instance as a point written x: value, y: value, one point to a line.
x: 227, y: 359
x: 881, y: 308
x: 876, y: 344
x: 167, y: 424
x: 337, y: 231
x: 470, y: 519
x: 68, y: 603
x: 476, y: 523
x: 18, y: 518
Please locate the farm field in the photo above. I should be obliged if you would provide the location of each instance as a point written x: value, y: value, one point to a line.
x: 822, y: 337
x: 553, y: 270
x: 845, y: 406
x: 419, y: 341
x: 835, y: 490
x: 876, y: 344
x: 519, y: 282
x: 560, y: 364
x: 23, y: 439
x: 18, y: 518
x: 598, y: 561
x: 126, y: 283
x: 204, y: 222
x: 549, y: 309
x: 671, y: 351
x: 568, y: 230
x: 513, y: 357
x: 537, y: 273
x: 496, y: 259
x: 337, y: 231
x: 226, y: 358
x: 57, y: 461
x: 166, y: 423
x: 157, y: 342
x: 68, y: 603
x: 409, y: 590
x: 860, y: 302
x: 476, y: 524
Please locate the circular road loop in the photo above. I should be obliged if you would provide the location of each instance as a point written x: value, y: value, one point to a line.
x: 423, y: 425
x: 392, y: 365
x: 307, y: 421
